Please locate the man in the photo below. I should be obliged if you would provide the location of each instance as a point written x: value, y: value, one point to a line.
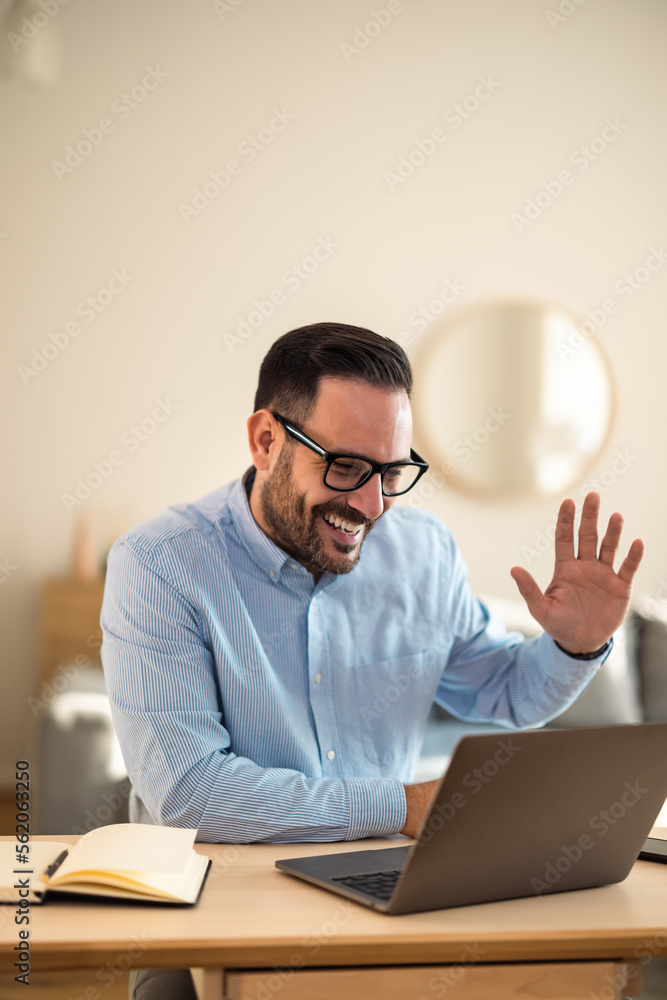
x: 249, y: 637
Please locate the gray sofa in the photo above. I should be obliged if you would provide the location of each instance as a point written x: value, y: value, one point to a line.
x: 630, y: 687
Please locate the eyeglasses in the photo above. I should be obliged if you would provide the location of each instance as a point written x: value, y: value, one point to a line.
x: 348, y: 472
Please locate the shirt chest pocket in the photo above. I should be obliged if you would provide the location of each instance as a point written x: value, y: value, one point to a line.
x: 392, y: 699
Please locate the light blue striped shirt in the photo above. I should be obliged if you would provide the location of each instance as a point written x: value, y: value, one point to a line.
x: 254, y: 704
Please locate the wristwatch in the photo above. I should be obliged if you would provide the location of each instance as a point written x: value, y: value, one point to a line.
x: 586, y: 656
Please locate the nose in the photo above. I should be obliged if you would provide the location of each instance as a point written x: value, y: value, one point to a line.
x: 369, y: 499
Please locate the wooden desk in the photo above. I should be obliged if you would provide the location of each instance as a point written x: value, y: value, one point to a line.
x: 258, y: 934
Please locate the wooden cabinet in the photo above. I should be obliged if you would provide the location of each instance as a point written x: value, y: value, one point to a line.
x: 540, y: 981
x: 70, y: 630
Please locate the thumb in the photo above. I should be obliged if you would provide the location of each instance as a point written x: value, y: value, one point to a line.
x: 528, y: 589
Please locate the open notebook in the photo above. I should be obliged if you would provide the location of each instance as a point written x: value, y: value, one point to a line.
x: 130, y: 861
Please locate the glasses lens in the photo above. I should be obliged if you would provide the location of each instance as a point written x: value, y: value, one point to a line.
x: 399, y: 478
x: 346, y: 473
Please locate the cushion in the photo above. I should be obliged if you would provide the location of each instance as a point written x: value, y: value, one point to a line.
x: 652, y: 657
x: 614, y: 694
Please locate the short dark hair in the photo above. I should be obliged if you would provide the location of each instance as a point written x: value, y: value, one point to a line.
x: 290, y: 374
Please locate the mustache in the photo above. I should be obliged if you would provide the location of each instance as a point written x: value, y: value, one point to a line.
x: 345, y: 512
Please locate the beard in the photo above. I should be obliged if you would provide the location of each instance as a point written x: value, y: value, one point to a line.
x: 295, y: 529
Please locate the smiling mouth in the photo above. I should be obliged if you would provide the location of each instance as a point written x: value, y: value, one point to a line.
x: 339, y: 524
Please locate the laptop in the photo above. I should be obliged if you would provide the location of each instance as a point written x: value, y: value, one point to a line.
x: 516, y: 814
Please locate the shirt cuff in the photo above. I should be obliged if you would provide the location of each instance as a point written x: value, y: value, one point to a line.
x: 377, y: 807
x: 568, y: 673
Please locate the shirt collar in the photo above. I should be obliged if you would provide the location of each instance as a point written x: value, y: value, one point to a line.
x: 264, y: 552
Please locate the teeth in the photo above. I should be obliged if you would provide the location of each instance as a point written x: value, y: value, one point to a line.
x: 338, y: 522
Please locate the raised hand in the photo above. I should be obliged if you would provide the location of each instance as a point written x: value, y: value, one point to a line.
x: 586, y: 600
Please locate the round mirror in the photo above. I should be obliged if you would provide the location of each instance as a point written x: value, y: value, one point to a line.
x: 514, y: 398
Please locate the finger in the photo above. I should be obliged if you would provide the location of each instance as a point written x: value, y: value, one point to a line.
x: 564, y: 540
x: 610, y: 542
x: 528, y: 589
x: 588, y: 527
x: 630, y: 564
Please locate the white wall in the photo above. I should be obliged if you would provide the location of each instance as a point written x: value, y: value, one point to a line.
x: 228, y: 66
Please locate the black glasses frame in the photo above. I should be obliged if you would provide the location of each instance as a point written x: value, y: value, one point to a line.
x: 330, y: 457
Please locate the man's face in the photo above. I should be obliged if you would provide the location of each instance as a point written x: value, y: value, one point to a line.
x: 298, y: 509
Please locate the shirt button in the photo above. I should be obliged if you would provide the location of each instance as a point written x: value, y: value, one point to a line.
x: 331, y: 754
x: 318, y: 678
x: 272, y: 572
x: 293, y: 566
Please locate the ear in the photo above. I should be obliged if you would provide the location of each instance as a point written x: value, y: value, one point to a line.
x: 264, y: 439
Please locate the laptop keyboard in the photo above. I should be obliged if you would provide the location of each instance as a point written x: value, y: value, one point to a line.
x: 380, y: 885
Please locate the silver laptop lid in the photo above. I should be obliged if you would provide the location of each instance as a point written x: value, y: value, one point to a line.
x: 528, y: 813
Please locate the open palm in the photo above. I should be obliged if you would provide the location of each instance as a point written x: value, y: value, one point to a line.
x: 586, y: 600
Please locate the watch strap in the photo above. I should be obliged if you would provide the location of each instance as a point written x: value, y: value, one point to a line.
x: 585, y: 656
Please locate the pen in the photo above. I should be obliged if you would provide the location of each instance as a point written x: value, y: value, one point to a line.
x: 48, y: 872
